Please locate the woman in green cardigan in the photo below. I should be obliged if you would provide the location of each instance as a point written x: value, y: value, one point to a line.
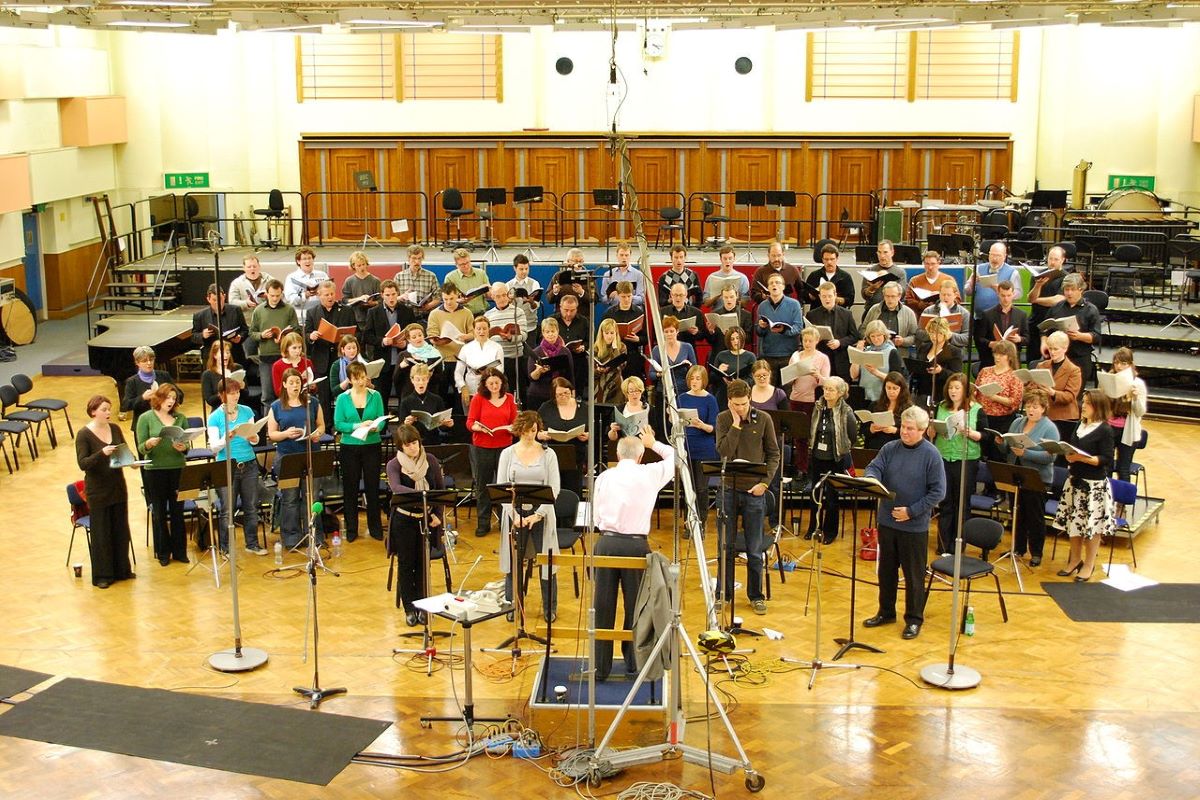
x: 353, y: 414
x: 160, y: 478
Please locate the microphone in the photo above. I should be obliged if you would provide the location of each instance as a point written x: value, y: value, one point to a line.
x: 318, y: 507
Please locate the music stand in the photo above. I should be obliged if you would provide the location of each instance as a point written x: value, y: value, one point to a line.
x: 1093, y: 245
x: 779, y: 200
x: 523, y: 195
x: 418, y: 503
x: 919, y: 366
x: 859, y: 487
x: 724, y: 469
x: 197, y: 478
x: 489, y: 197
x: 610, y: 201
x: 516, y: 495
x: 794, y: 424
x: 365, y: 180
x: 945, y: 243
x: 292, y: 471
x: 750, y: 199
x: 1014, y: 478
x: 1189, y: 249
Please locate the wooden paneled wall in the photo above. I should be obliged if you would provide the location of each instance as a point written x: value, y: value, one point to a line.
x: 67, y: 276
x: 838, y: 172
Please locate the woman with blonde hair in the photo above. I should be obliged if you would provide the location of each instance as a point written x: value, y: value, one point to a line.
x: 608, y: 376
x: 1127, y: 413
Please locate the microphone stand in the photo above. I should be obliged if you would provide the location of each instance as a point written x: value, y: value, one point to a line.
x: 237, y: 658
x: 815, y: 663
x: 429, y: 645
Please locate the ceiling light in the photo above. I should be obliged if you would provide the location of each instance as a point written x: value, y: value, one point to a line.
x: 146, y: 23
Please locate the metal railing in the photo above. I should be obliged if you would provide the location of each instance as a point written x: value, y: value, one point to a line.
x: 245, y: 230
x: 530, y: 217
x: 316, y: 220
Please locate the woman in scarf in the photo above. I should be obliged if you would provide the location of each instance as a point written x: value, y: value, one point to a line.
x: 140, y: 386
x: 551, y: 360
x: 412, y: 470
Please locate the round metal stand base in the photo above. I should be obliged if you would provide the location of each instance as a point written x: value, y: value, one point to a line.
x: 229, y: 661
x: 940, y: 676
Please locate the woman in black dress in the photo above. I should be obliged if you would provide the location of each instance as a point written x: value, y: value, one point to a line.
x: 107, y: 498
x: 1085, y: 511
x: 563, y: 413
x: 894, y: 399
x: 412, y: 470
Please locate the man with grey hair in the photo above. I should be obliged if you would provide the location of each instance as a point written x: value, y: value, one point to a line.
x: 621, y: 507
x: 1087, y: 338
x: 912, y: 469
x: 900, y: 320
x: 418, y: 286
x: 515, y: 327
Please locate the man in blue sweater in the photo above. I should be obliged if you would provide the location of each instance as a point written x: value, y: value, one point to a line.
x: 912, y: 469
x: 780, y: 320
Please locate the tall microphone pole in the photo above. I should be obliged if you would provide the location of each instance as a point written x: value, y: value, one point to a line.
x: 238, y: 658
x: 949, y: 675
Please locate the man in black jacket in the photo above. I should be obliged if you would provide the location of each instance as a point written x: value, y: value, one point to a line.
x: 845, y: 332
x: 829, y: 272
x: 321, y: 351
x: 995, y: 322
x: 377, y: 343
x: 207, y: 327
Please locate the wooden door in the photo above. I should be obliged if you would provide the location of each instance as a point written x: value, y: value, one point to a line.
x: 853, y: 175
x: 752, y: 169
x: 450, y: 167
x: 655, y: 173
x: 347, y: 205
x: 555, y: 170
x: 956, y: 168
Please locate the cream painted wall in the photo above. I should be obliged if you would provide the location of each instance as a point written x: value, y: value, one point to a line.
x: 1122, y: 99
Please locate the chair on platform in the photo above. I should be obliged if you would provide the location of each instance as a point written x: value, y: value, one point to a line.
x: 24, y: 385
x: 452, y: 205
x: 1137, y: 471
x: 984, y: 534
x: 34, y: 416
x: 1100, y: 300
x: 272, y: 214
x: 566, y: 508
x: 984, y: 503
x: 1124, y: 273
x: 710, y: 216
x: 1125, y: 497
x: 671, y: 222
x: 198, y: 226
x: 80, y: 516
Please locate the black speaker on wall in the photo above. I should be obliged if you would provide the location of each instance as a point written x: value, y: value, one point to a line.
x: 743, y: 66
x: 564, y: 66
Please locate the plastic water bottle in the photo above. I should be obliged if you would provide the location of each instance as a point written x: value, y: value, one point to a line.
x: 279, y: 554
x: 337, y: 545
x: 969, y: 628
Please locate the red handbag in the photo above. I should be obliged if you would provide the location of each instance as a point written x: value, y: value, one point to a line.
x: 870, y: 544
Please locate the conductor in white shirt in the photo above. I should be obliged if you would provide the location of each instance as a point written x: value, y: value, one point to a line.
x: 623, y: 502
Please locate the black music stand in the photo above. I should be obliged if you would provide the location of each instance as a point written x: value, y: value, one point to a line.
x: 523, y: 195
x: 365, y: 180
x: 292, y: 470
x: 459, y: 467
x: 919, y: 366
x: 417, y: 503
x: 947, y: 243
x: 468, y: 715
x: 489, y: 197
x: 1093, y: 245
x: 197, y: 478
x: 1014, y: 478
x: 1189, y: 249
x: 779, y: 200
x: 751, y: 199
x: 724, y: 469
x: 610, y: 201
x: 793, y: 424
x: 520, y: 494
x: 859, y: 488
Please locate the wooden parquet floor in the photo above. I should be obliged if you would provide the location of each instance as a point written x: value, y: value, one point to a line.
x: 1064, y: 709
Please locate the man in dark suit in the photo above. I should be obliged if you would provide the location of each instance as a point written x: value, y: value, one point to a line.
x: 207, y: 326
x: 845, y: 332
x: 996, y: 321
x: 321, y: 352
x: 679, y: 308
x: 380, y: 320
x: 574, y: 327
x: 829, y: 272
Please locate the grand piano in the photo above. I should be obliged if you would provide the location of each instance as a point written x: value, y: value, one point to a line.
x: 111, y: 350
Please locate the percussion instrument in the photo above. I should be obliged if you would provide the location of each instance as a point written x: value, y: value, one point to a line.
x: 1126, y: 203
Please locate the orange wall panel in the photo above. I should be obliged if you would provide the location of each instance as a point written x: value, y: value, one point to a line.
x: 16, y: 192
x: 89, y: 121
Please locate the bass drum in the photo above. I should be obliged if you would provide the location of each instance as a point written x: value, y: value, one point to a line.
x: 1131, y: 203
x: 18, y: 322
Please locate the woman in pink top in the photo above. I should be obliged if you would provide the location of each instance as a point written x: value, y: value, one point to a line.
x: 804, y: 388
x: 1001, y: 409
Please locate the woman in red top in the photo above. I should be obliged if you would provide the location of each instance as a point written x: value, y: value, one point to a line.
x: 292, y: 348
x: 489, y: 420
x: 1001, y: 409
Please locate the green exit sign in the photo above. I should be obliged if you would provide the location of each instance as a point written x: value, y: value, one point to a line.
x: 185, y: 180
x: 1131, y: 182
